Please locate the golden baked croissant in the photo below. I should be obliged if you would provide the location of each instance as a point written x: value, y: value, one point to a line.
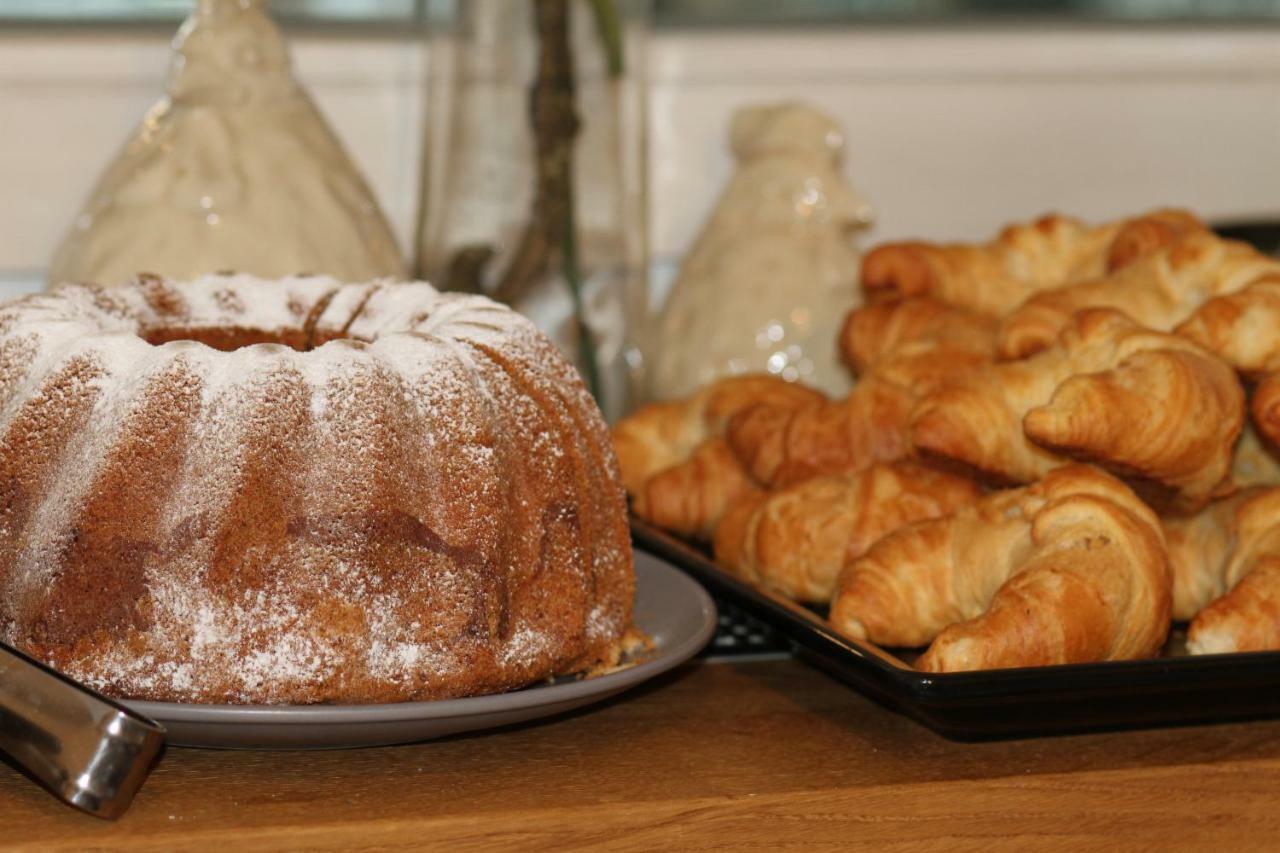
x: 1198, y: 546
x: 689, y: 498
x: 1242, y: 328
x: 1160, y: 291
x: 1254, y: 462
x: 660, y: 435
x: 1149, y: 233
x: 731, y: 533
x: 1023, y: 259
x: 1069, y: 570
x: 1154, y: 408
x: 780, y: 446
x: 914, y: 328
x: 796, y: 539
x: 906, y: 348
x: 1265, y: 408
x: 1226, y: 564
x: 1246, y: 619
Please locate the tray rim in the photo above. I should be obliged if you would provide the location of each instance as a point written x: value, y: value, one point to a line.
x: 933, y: 698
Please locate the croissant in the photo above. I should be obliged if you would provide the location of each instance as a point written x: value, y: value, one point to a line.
x: 735, y: 530
x: 689, y: 498
x: 995, y: 277
x: 1198, y: 546
x: 1247, y: 619
x: 1254, y: 462
x: 780, y: 446
x: 1070, y: 570
x: 796, y: 539
x: 1226, y: 564
x: 1265, y: 407
x: 914, y: 328
x: 1154, y: 408
x: 915, y: 355
x: 660, y: 435
x: 1241, y: 327
x: 1145, y: 235
x: 1160, y: 291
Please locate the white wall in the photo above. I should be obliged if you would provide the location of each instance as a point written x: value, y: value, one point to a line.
x: 67, y: 104
x: 952, y: 133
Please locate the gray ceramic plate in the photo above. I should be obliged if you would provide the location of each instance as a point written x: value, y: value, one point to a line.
x: 670, y: 607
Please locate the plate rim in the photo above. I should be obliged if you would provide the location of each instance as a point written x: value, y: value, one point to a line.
x: 535, y: 695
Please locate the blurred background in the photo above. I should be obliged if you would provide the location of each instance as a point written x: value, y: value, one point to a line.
x: 960, y: 116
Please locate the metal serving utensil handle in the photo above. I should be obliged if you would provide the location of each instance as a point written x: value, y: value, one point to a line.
x: 88, y: 750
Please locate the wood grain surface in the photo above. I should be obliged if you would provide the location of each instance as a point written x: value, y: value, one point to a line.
x: 710, y: 757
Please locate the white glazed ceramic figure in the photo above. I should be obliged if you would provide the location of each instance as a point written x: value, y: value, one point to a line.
x: 774, y: 271
x: 233, y: 169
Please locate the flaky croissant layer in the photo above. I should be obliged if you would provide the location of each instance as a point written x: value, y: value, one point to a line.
x: 676, y: 466
x: 1226, y: 563
x: 1072, y: 569
x: 688, y: 499
x: 795, y: 540
x: 1153, y: 408
x: 1023, y: 260
x: 1160, y: 291
x: 660, y: 435
x: 782, y: 446
x: 903, y: 349
x: 920, y: 335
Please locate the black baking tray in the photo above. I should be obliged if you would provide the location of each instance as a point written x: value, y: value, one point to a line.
x: 1004, y: 703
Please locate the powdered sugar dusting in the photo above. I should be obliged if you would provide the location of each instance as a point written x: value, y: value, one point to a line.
x: 236, y: 299
x: 406, y: 514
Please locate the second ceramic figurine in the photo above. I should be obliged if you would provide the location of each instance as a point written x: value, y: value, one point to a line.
x: 773, y: 273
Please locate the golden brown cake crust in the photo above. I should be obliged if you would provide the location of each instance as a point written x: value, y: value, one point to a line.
x: 198, y: 506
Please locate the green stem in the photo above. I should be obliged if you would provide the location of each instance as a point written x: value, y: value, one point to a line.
x: 609, y: 26
x: 573, y: 278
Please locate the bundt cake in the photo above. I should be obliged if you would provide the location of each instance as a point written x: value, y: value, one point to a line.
x: 298, y: 491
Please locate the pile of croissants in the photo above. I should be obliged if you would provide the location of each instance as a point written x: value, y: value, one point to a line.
x: 1059, y: 443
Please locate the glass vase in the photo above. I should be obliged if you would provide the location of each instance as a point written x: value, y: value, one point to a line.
x: 534, y: 190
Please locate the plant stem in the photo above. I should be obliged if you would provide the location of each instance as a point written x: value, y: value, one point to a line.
x: 609, y: 27
x: 554, y: 120
x: 573, y: 278
x: 553, y: 117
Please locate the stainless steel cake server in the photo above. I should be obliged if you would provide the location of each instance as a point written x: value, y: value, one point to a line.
x: 88, y: 750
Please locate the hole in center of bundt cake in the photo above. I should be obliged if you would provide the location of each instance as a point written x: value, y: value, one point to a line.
x: 228, y: 338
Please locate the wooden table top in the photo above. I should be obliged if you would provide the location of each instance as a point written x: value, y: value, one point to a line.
x: 710, y: 757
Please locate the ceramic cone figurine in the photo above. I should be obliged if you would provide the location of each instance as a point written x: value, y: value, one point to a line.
x: 234, y: 169
x: 774, y: 271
